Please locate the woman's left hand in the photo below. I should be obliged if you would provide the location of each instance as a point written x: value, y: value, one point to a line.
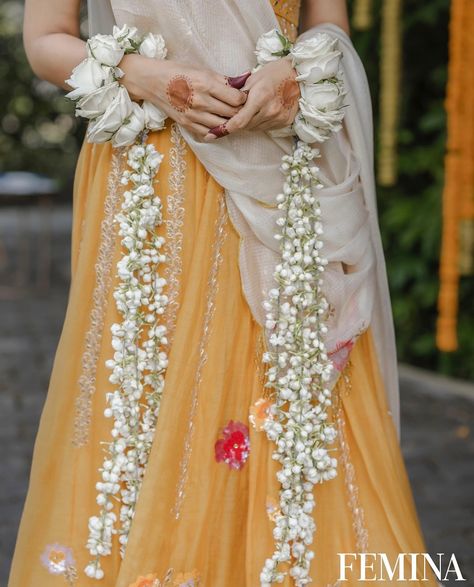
x: 272, y: 102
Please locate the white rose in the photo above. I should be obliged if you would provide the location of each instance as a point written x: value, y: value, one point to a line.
x: 319, y: 132
x: 127, y: 37
x: 95, y: 103
x: 131, y: 128
x: 105, y: 49
x: 154, y: 117
x: 87, y: 77
x: 153, y: 46
x: 320, y: 112
x: 267, y: 44
x: 326, y: 96
x: 115, y: 115
x: 318, y: 69
x: 315, y: 46
x: 316, y: 58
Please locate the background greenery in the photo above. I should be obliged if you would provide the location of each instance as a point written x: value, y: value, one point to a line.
x: 410, y: 212
x: 39, y: 133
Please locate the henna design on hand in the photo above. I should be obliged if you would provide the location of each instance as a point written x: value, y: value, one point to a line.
x: 219, y: 131
x: 289, y: 92
x: 180, y: 93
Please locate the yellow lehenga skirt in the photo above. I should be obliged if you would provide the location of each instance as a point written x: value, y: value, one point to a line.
x: 197, y: 521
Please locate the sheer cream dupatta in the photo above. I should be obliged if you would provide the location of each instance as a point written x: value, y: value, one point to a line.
x: 222, y: 35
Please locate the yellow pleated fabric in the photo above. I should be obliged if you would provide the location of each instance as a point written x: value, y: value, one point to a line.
x: 194, y: 515
x: 197, y: 521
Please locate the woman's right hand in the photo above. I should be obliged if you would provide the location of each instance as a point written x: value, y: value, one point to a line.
x: 198, y: 99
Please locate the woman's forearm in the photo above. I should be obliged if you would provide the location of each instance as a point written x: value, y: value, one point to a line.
x: 43, y: 55
x: 321, y: 11
x: 51, y: 38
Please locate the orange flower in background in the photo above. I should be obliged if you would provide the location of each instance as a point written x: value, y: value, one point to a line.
x: 147, y: 581
x: 259, y: 412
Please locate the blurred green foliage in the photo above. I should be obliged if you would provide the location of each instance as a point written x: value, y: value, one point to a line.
x: 38, y: 129
x: 410, y: 212
x: 40, y: 133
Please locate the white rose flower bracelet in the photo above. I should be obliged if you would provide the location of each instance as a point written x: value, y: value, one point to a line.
x: 102, y: 99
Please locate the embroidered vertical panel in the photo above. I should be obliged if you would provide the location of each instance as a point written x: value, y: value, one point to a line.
x: 174, y: 225
x: 357, y: 512
x: 260, y: 366
x: 171, y: 579
x: 93, y: 337
x: 220, y: 235
x: 81, y: 235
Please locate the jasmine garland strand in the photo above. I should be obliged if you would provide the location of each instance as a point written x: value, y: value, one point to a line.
x: 299, y: 368
x: 140, y: 357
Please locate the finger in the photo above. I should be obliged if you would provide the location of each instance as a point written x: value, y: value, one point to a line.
x: 206, y: 118
x: 261, y: 117
x: 272, y: 115
x: 227, y: 94
x: 245, y: 114
x: 280, y: 120
x: 220, y: 108
x: 199, y: 130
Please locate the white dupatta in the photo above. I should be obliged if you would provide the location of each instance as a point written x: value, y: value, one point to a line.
x: 221, y: 35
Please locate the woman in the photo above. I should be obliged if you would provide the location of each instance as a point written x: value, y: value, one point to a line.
x: 207, y: 504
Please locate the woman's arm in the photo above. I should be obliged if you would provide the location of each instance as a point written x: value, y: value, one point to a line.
x: 273, y: 92
x: 51, y: 38
x: 198, y: 99
x: 320, y: 11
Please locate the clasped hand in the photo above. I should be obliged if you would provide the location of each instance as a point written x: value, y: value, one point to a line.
x: 272, y: 101
x: 211, y: 105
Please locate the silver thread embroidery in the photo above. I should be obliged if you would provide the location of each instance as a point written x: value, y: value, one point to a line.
x: 358, y: 520
x: 174, y: 224
x: 220, y: 234
x: 93, y: 337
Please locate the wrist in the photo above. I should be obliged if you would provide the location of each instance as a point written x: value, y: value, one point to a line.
x: 143, y: 78
x: 110, y: 86
x: 132, y: 66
